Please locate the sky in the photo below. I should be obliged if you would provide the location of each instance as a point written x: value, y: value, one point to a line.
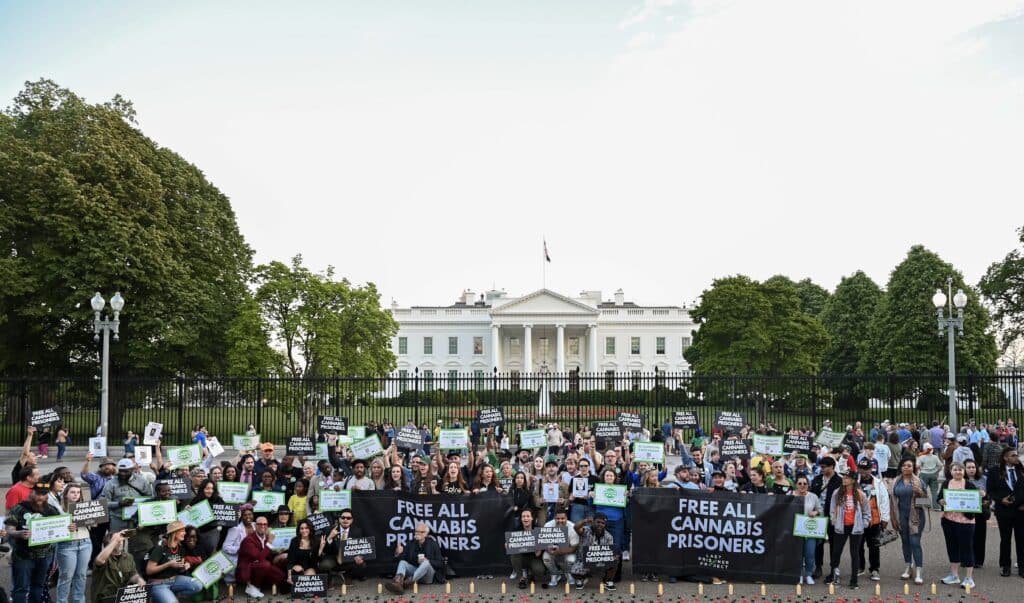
x: 430, y: 147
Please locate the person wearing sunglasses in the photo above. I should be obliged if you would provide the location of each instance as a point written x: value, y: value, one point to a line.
x: 333, y: 560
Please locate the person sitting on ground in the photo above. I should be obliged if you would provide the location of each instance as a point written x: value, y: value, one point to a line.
x: 333, y: 558
x: 167, y: 569
x: 422, y: 561
x: 255, y: 566
x: 524, y: 563
x: 304, y: 552
x: 113, y: 569
x: 559, y: 560
x: 592, y: 531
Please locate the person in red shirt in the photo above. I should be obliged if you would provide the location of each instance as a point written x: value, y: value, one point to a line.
x: 255, y: 561
x: 27, y: 477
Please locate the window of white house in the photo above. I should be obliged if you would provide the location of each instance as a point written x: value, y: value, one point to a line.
x: 686, y: 343
x: 428, y: 345
x: 403, y: 346
x: 478, y: 346
x: 634, y: 346
x: 515, y: 345
x: 609, y: 346
x: 453, y: 345
x: 544, y: 348
x: 659, y: 346
x: 574, y: 346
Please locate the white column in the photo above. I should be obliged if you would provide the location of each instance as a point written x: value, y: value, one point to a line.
x: 527, y: 348
x: 495, y: 347
x: 560, y: 349
x: 592, y: 348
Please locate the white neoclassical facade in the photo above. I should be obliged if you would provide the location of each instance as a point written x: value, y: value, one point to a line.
x: 543, y: 330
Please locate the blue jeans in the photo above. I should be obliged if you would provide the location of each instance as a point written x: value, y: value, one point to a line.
x: 617, y: 529
x: 579, y: 511
x: 810, y: 546
x: 60, y: 451
x: 167, y: 592
x: 28, y: 577
x: 423, y: 573
x: 912, y: 542
x: 73, y: 559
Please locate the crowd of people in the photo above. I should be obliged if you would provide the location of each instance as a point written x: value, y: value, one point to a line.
x: 874, y: 487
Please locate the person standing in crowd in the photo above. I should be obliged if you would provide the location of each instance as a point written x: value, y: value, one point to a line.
x: 73, y: 555
x: 21, y: 491
x: 991, y: 452
x: 878, y: 502
x: 757, y: 484
x: 559, y: 560
x: 121, y: 493
x: 974, y: 475
x: 592, y: 531
x: 812, y: 506
x: 422, y: 561
x: 1006, y: 489
x: 255, y: 567
x: 44, y: 442
x: 908, y: 518
x: 131, y: 440
x: 61, y: 441
x: 958, y: 530
x: 849, y: 515
x: 527, y: 566
x: 114, y: 569
x: 30, y: 566
x: 929, y: 465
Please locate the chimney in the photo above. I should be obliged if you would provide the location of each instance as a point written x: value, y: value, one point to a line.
x: 468, y: 297
x: 620, y: 297
x: 591, y: 297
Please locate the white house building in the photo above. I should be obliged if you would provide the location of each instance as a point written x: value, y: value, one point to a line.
x: 540, y: 331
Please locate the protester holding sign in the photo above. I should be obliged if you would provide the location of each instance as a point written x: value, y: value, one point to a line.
x: 209, y: 534
x: 194, y: 552
x: 908, y: 518
x: 421, y: 561
x: 73, y: 555
x: 334, y: 555
x: 255, y: 566
x: 849, y: 515
x: 29, y: 564
x: 529, y: 565
x: 593, y: 531
x: 812, y: 507
x: 958, y: 529
x: 304, y: 552
x: 558, y: 560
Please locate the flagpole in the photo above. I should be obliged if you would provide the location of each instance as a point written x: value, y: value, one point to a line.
x: 544, y: 264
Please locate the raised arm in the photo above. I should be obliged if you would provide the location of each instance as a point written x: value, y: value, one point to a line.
x: 26, y: 448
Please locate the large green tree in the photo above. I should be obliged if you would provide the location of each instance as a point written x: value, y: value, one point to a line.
x: 904, y: 333
x: 846, y: 317
x: 752, y: 328
x: 1003, y: 288
x: 88, y: 203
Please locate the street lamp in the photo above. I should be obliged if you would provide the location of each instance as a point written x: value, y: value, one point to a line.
x: 106, y: 325
x: 947, y: 327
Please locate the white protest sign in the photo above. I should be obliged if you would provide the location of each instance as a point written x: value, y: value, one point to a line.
x: 453, y: 439
x: 962, y: 501
x: 356, y: 432
x: 650, y: 452
x: 153, y: 433
x: 610, y: 495
x: 550, y: 491
x: 157, y: 512
x: 580, y: 487
x: 184, y: 456
x: 98, y: 446
x: 245, y: 442
x: 367, y: 447
x: 533, y: 438
x: 48, y: 530
x: 765, y: 444
x: 214, y: 446
x: 806, y: 526
x: 210, y: 571
x: 234, y: 493
x: 143, y: 455
x: 331, y: 500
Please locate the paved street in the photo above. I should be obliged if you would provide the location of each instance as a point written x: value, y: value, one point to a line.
x: 989, y: 584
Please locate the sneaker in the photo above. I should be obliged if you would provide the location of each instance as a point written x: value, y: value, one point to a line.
x: 625, y: 555
x: 853, y: 585
x: 830, y: 579
x: 513, y: 576
x: 801, y: 579
x: 253, y: 592
x: 817, y: 572
x: 875, y: 576
x: 553, y: 582
x: 580, y: 584
x: 609, y: 585
x: 967, y: 583
x: 861, y: 572
x: 645, y: 577
x: 951, y: 579
x: 809, y: 580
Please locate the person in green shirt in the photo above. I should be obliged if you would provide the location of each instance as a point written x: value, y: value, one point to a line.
x: 113, y: 569
x: 29, y: 565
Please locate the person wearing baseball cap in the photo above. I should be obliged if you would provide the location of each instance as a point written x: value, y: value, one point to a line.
x: 121, y: 491
x: 30, y: 564
x: 877, y: 495
x: 166, y: 569
x: 266, y: 456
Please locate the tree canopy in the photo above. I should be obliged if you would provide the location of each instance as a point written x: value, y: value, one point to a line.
x: 1003, y: 288
x: 846, y: 317
x: 904, y: 333
x: 88, y: 203
x: 753, y: 328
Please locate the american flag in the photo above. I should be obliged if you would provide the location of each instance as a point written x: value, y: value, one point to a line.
x: 546, y: 256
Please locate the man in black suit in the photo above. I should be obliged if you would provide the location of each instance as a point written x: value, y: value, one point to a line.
x: 333, y: 559
x: 1006, y: 489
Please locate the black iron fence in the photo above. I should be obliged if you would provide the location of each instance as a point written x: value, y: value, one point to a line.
x: 279, y: 406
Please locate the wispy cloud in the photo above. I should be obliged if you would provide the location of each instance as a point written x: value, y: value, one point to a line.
x: 649, y: 10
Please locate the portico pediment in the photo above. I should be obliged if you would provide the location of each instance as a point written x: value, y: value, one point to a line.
x: 545, y: 303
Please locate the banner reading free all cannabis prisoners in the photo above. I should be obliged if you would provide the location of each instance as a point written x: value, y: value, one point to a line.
x: 744, y: 537
x: 471, y: 531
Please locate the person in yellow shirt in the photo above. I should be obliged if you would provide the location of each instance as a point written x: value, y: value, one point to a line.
x: 299, y: 502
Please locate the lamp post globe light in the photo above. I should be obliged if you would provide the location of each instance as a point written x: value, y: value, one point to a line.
x: 106, y: 325
x: 948, y: 326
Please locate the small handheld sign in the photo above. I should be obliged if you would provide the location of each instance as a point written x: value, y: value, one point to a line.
x: 685, y: 419
x: 359, y: 547
x: 47, y: 417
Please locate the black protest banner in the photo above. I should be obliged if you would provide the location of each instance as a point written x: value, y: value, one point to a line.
x: 487, y: 417
x: 598, y: 556
x: 523, y: 541
x: 181, y: 489
x: 735, y: 449
x: 685, y: 419
x: 744, y: 537
x: 225, y: 515
x: 321, y: 524
x: 470, y: 531
x: 730, y: 422
x: 630, y: 421
x: 409, y: 438
x: 300, y: 446
x: 135, y: 593
x: 798, y: 443
x: 310, y: 586
x: 332, y: 424
x: 359, y: 547
x: 552, y: 536
x: 46, y: 417
x: 87, y: 514
x: 608, y: 431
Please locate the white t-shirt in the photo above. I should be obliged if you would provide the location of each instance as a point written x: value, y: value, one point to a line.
x: 574, y: 538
